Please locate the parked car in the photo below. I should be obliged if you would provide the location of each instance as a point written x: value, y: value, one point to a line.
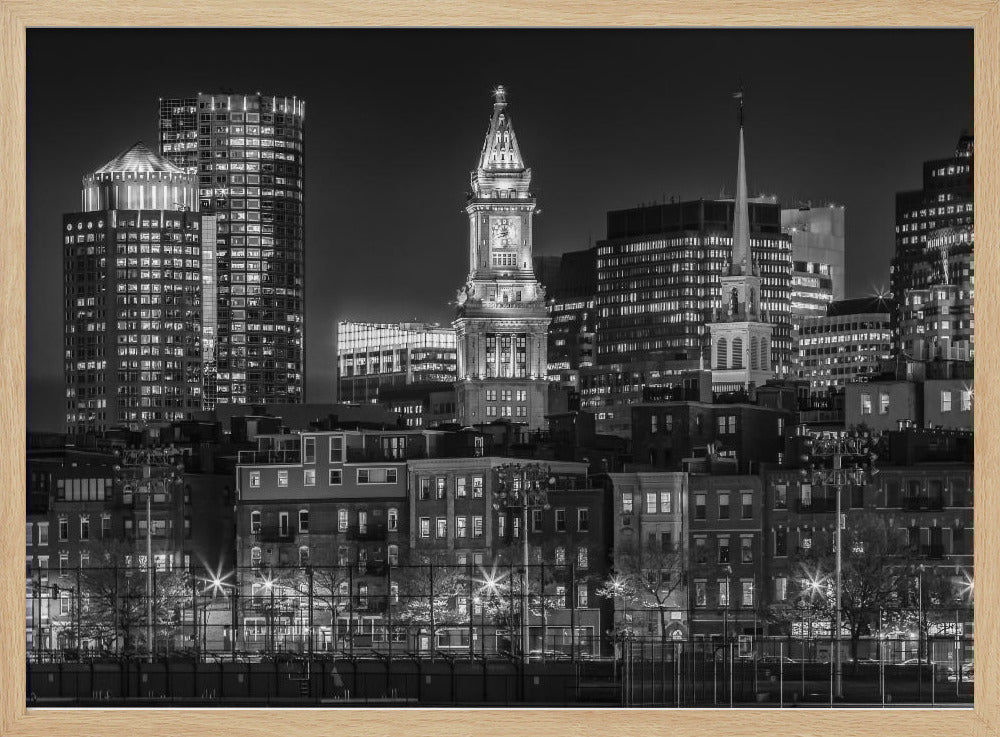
x: 968, y: 674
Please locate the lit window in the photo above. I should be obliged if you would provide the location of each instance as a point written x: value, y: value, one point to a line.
x: 866, y: 404
x: 425, y: 527
x: 945, y: 401
x: 966, y: 396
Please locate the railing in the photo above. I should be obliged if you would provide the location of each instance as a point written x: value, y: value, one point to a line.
x: 262, y: 457
x: 372, y: 532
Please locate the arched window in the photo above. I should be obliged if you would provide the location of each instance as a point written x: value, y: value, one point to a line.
x: 721, y: 354
x: 737, y: 353
x: 753, y: 352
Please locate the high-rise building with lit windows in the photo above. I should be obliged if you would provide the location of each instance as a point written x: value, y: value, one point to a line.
x: 658, y: 276
x: 248, y: 156
x: 132, y: 295
x: 377, y: 356
x: 945, y: 201
x: 818, y: 272
x: 848, y: 344
x: 502, y: 322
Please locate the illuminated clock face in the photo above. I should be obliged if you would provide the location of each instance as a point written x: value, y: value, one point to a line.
x: 504, y: 232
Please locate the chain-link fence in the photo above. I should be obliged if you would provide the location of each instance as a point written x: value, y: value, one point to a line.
x: 379, y: 632
x: 260, y: 613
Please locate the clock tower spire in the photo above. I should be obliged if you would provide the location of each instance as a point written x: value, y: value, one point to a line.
x: 501, y: 323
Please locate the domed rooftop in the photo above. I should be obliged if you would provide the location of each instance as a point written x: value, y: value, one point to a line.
x: 139, y: 159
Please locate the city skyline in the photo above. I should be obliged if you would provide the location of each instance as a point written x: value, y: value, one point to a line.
x: 353, y: 239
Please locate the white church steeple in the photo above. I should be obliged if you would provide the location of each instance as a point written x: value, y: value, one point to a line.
x: 741, y: 338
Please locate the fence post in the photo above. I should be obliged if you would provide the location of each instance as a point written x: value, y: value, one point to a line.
x: 781, y: 675
x: 79, y: 643
x: 572, y: 607
x: 350, y: 612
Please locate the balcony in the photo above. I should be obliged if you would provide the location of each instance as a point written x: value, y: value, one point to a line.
x: 816, y: 506
x: 372, y: 532
x: 264, y: 457
x: 378, y: 455
x: 918, y: 503
x: 272, y: 535
x: 934, y: 550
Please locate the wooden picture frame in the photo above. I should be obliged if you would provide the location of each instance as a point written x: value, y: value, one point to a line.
x: 17, y: 15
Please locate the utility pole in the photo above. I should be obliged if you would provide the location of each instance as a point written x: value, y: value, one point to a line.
x: 523, y: 488
x: 824, y: 464
x: 140, y: 470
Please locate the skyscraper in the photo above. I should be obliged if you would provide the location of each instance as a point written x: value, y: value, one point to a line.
x: 502, y: 322
x: 945, y: 201
x: 247, y: 152
x: 132, y: 295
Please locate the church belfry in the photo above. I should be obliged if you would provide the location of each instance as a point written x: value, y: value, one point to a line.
x: 501, y: 323
x: 740, y: 333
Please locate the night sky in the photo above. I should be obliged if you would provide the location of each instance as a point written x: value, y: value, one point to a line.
x: 395, y: 119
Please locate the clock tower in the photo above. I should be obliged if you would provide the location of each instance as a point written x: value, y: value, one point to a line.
x: 741, y: 334
x: 501, y: 324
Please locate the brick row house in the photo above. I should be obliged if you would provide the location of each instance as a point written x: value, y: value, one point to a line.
x: 476, y: 545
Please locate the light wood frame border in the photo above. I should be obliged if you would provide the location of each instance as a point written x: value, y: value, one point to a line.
x: 16, y: 15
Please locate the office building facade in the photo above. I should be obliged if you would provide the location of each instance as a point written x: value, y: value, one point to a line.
x: 945, y: 201
x: 817, y: 235
x: 847, y: 344
x: 376, y: 356
x: 132, y: 296
x: 247, y: 152
x: 938, y: 321
x: 570, y: 285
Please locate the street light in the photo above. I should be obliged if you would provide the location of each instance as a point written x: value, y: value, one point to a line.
x: 140, y: 468
x: 827, y: 457
x: 523, y: 487
x: 216, y: 583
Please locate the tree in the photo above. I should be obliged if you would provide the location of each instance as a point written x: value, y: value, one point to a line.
x: 111, y: 605
x: 879, y: 576
x: 430, y: 594
x: 646, y: 576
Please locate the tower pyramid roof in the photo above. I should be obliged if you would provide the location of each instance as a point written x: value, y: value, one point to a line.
x: 500, y: 149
